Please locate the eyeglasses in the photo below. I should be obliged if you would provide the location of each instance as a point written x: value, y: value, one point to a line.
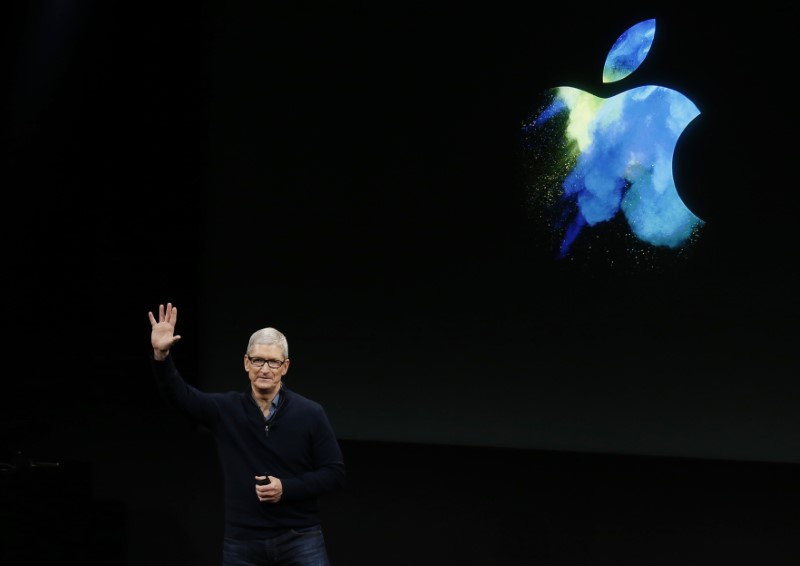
x: 259, y: 362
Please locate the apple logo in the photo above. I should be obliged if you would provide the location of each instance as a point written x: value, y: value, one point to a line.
x: 600, y: 161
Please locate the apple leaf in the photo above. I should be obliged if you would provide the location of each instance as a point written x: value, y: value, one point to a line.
x: 629, y: 51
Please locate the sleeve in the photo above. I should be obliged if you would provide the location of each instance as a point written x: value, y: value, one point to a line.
x: 328, y: 473
x: 187, y: 399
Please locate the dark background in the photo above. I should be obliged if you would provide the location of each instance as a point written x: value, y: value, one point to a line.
x: 353, y: 175
x: 367, y: 195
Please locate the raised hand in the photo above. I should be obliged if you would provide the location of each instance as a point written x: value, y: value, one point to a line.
x: 162, y: 335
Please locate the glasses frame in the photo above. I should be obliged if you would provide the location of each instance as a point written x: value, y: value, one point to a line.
x: 267, y: 362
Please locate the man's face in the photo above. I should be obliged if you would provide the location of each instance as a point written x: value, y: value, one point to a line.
x: 266, y: 379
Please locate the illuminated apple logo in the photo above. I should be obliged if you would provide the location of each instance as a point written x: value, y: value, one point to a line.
x: 601, y: 160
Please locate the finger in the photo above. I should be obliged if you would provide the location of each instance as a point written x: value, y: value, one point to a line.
x: 169, y: 313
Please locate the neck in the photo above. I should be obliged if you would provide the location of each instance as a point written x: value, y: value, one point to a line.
x: 264, y: 397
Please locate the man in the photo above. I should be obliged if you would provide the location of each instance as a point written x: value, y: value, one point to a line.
x: 278, y: 451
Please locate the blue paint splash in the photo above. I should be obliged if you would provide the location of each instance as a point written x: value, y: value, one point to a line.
x: 619, y: 151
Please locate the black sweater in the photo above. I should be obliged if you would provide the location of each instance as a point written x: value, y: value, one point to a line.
x: 299, y: 447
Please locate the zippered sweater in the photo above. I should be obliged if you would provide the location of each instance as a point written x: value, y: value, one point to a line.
x: 296, y: 444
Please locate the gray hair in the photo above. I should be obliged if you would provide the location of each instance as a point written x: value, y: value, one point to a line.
x: 269, y: 336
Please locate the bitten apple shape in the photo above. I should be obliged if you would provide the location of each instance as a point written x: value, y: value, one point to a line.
x: 618, y: 152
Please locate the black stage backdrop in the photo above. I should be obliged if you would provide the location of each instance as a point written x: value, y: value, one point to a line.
x: 356, y: 176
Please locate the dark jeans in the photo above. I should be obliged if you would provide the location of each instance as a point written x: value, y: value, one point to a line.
x: 298, y: 547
